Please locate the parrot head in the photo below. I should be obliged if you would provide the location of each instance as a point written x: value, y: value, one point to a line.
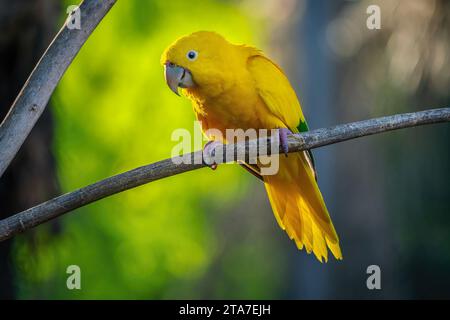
x: 199, y: 63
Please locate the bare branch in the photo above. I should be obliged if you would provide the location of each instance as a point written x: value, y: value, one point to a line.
x: 35, y: 94
x: 58, y: 206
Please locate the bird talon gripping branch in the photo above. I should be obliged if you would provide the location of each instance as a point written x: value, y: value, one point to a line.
x: 209, y: 153
x: 283, y: 132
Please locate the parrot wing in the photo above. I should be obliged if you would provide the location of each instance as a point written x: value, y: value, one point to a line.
x: 277, y: 93
x: 293, y: 192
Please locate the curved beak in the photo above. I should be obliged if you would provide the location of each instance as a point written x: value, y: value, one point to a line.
x: 177, y: 76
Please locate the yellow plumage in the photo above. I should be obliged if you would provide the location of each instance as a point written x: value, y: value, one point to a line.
x: 237, y: 86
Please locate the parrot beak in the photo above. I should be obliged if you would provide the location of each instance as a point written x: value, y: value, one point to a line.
x: 177, y: 76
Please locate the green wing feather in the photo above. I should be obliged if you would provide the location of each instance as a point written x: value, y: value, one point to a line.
x: 303, y: 127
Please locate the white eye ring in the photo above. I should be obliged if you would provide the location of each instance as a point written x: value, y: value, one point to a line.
x: 192, y: 55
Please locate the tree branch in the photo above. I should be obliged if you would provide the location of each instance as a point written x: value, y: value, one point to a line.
x: 35, y: 94
x: 58, y: 206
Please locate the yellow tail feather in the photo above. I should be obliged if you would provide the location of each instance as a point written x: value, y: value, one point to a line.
x: 300, y: 209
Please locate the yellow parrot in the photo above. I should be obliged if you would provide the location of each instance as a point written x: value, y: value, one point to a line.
x: 237, y: 86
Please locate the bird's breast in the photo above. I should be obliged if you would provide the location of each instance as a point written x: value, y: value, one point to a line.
x: 237, y: 108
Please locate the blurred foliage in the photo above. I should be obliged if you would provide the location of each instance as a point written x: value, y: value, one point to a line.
x: 113, y: 113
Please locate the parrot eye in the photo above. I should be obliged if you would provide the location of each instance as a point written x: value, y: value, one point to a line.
x: 192, y: 55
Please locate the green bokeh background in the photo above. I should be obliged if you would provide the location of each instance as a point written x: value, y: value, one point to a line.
x: 113, y: 113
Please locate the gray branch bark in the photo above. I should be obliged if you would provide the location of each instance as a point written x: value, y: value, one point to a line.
x: 65, y: 203
x: 35, y: 94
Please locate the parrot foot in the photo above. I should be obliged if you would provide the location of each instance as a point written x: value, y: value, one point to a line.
x: 209, y: 153
x: 283, y: 132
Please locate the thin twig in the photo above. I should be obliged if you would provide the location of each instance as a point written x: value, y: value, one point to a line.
x: 35, y: 94
x: 65, y: 203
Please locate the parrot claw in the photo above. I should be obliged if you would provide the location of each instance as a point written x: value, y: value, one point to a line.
x: 209, y: 153
x: 283, y: 132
